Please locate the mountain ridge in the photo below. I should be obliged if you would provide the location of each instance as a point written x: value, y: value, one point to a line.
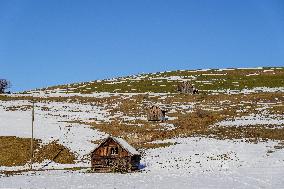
x: 163, y: 82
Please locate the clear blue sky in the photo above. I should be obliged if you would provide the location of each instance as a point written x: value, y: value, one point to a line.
x: 45, y: 43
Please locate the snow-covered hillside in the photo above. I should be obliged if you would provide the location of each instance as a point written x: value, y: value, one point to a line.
x: 221, y: 138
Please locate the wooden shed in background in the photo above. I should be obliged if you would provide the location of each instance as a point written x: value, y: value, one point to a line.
x: 155, y: 113
x: 186, y: 88
x: 115, y: 155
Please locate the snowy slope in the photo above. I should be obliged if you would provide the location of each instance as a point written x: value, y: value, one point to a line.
x: 51, y: 125
x: 193, y: 163
x: 62, y: 113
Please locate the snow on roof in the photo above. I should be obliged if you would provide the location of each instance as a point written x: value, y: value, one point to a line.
x: 126, y: 146
x: 122, y: 143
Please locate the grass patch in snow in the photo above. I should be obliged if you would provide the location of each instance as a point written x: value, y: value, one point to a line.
x: 251, y: 133
x: 15, y: 151
x: 154, y: 145
x: 206, y: 111
x: 55, y: 152
x: 279, y: 109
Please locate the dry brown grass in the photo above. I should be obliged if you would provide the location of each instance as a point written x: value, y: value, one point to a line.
x: 74, y: 99
x: 141, y: 136
x: 249, y: 133
x: 153, y: 145
x: 279, y: 109
x: 55, y: 152
x: 196, y: 123
x: 15, y: 151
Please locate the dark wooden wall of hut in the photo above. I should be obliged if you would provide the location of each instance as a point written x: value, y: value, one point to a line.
x: 110, y: 156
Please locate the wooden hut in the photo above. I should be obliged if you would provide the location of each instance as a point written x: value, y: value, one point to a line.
x: 186, y: 88
x: 155, y: 113
x: 115, y: 155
